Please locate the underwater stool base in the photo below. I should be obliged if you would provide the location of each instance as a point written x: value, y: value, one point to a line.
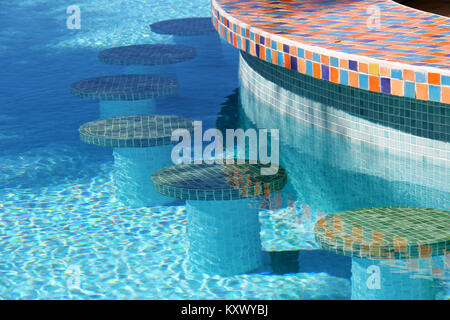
x: 392, y: 285
x: 133, y: 168
x: 224, y: 236
x: 110, y: 109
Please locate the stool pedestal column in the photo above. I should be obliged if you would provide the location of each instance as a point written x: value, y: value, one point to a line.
x: 224, y: 236
x: 110, y: 109
x: 373, y: 280
x: 133, y: 168
x: 166, y: 70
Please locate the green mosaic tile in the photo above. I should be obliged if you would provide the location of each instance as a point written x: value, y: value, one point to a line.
x: 126, y: 87
x: 136, y: 131
x: 147, y: 54
x: 386, y: 232
x: 217, y: 181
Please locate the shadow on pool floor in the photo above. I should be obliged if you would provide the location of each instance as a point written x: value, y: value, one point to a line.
x: 310, y: 261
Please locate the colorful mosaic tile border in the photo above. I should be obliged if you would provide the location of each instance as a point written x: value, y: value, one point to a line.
x: 408, y: 57
x: 404, y: 125
x: 386, y: 232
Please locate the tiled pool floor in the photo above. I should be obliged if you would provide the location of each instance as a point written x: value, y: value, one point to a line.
x: 57, y: 204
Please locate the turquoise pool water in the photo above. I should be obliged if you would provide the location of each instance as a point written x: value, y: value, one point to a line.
x: 58, y: 212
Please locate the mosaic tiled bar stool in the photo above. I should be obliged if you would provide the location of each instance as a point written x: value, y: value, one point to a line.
x: 127, y: 94
x: 142, y: 144
x: 223, y: 226
x: 195, y: 32
x: 148, y: 58
x: 377, y: 238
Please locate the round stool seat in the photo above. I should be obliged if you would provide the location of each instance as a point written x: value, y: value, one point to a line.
x: 375, y: 237
x: 209, y: 182
x: 137, y: 131
x: 184, y: 27
x: 147, y: 54
x: 386, y: 232
x: 223, y: 227
x: 142, y: 144
x: 125, y: 87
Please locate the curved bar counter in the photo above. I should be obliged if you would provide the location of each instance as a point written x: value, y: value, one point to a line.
x: 388, y: 87
x: 371, y: 72
x: 375, y: 45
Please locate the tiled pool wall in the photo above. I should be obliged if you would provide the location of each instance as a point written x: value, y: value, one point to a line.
x: 414, y: 130
x: 306, y: 150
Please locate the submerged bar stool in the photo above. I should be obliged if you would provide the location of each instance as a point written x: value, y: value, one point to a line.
x: 196, y: 32
x: 223, y: 226
x: 142, y: 144
x: 378, y: 238
x: 148, y: 58
x: 127, y: 94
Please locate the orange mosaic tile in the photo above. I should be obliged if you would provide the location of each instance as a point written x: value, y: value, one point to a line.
x: 334, y: 74
x: 434, y: 78
x: 353, y: 79
x: 316, y: 70
x: 287, y: 61
x: 363, y: 67
x: 446, y: 94
x: 421, y: 91
x: 301, y: 66
x: 385, y: 71
x: 374, y: 83
x: 397, y: 87
x: 408, y: 75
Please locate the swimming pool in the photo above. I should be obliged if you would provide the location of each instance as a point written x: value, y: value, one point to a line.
x: 58, y: 211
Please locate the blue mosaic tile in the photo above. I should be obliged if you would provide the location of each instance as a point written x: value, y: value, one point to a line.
x: 343, y: 77
x: 363, y: 81
x: 410, y: 90
x: 434, y: 92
